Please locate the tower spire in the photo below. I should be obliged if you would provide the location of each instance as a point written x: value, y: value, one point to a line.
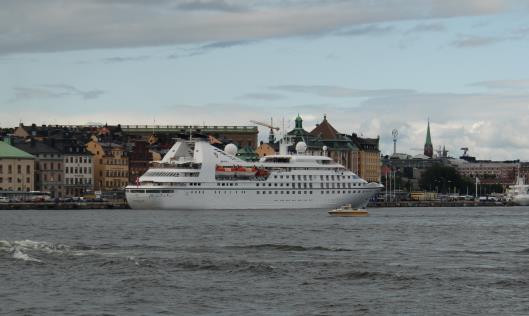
x: 428, y: 147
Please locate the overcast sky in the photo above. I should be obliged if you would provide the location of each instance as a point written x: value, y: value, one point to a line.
x: 371, y: 65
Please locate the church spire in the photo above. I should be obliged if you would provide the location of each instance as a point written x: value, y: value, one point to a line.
x: 428, y: 147
x: 299, y: 122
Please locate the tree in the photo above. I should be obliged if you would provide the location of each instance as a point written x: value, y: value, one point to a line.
x: 443, y: 179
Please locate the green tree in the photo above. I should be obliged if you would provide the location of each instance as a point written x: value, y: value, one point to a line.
x: 443, y: 179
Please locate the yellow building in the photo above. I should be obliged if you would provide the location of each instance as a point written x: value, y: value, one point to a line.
x: 17, y: 169
x: 111, y: 165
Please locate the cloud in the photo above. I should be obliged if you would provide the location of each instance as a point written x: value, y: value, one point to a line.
x: 263, y: 96
x: 55, y: 25
x: 471, y: 41
x: 206, y: 48
x: 118, y: 59
x: 340, y: 92
x: 367, y: 30
x: 51, y: 91
x: 426, y: 27
x: 503, y: 84
x: 218, y: 5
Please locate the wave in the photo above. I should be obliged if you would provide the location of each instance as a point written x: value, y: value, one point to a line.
x: 17, y: 254
x: 523, y: 251
x: 368, y: 275
x: 284, y: 247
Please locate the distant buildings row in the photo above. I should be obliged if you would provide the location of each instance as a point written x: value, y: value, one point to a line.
x: 409, y: 168
x: 72, y: 161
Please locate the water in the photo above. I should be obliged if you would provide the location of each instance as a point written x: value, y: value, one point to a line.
x: 396, y: 261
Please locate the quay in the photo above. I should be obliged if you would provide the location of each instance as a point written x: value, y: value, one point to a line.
x: 437, y: 204
x: 63, y: 205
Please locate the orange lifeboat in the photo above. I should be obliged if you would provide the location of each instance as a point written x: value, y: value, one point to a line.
x: 245, y: 171
x: 224, y: 171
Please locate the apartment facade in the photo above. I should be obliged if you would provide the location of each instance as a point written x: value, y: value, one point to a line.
x: 17, y: 169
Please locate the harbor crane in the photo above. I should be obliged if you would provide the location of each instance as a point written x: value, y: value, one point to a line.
x: 271, y: 138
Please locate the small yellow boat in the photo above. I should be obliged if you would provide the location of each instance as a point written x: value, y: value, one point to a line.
x: 348, y: 211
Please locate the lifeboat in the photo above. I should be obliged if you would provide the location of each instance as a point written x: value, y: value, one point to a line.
x: 225, y: 171
x: 261, y: 172
x: 245, y: 171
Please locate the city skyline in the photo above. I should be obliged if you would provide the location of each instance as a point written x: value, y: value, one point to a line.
x: 371, y: 66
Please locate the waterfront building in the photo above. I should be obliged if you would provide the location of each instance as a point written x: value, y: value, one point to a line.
x: 140, y: 157
x: 360, y: 155
x: 367, y: 158
x: 17, y: 168
x: 49, y: 175
x: 111, y: 165
x: 241, y: 136
x: 78, y: 170
x: 489, y: 172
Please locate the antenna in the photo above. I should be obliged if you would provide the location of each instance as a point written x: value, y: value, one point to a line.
x: 395, y: 134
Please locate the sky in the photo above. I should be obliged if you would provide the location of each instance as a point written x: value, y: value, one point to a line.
x: 370, y: 66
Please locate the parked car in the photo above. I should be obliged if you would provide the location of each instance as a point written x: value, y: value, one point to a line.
x: 4, y: 199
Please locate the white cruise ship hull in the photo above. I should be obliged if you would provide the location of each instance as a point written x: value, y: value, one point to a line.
x: 210, y: 199
x: 194, y: 175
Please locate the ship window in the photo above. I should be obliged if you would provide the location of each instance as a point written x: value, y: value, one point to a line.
x: 275, y: 184
x: 269, y: 184
x: 137, y: 191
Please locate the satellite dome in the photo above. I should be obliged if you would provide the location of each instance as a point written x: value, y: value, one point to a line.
x: 231, y: 149
x: 301, y: 147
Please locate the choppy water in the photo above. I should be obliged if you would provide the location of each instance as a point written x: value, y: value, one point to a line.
x: 396, y: 261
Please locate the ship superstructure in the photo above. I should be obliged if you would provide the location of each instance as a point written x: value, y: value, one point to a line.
x: 196, y: 175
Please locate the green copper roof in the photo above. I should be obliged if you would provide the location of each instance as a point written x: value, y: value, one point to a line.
x: 299, y: 122
x: 428, y: 137
x: 8, y: 151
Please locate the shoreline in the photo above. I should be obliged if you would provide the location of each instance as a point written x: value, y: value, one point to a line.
x: 124, y: 205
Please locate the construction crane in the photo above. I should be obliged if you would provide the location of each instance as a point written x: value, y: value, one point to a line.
x: 271, y: 137
x: 270, y: 126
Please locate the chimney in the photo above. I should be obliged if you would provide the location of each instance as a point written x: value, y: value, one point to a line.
x: 7, y: 140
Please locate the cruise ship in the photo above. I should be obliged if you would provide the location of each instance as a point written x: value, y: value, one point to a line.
x: 195, y: 175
